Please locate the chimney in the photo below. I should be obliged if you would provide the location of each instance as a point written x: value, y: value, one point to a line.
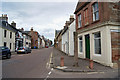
x: 13, y: 24
x: 22, y: 29
x: 67, y: 23
x: 4, y: 18
x: 71, y: 18
x: 64, y: 27
x: 31, y: 28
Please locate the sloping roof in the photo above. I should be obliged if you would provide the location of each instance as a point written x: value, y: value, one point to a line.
x: 57, y: 32
x: 65, y: 29
x: 7, y: 26
x: 80, y: 5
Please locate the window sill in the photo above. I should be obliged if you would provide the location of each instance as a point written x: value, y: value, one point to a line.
x: 80, y: 52
x: 86, y: 25
x: 95, y: 21
x: 97, y: 54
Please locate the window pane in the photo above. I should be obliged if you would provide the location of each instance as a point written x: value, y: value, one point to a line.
x: 95, y: 12
x: 79, y: 18
x: 97, y: 42
x: 97, y: 16
x: 97, y: 46
x: 80, y: 46
x: 80, y: 38
x: 97, y: 35
x: 96, y: 6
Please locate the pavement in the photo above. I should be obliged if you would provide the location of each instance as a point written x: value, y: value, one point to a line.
x: 69, y: 62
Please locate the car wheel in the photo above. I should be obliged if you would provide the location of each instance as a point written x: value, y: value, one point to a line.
x: 8, y: 56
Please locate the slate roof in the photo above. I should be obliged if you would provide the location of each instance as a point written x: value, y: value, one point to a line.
x: 24, y: 32
x: 57, y: 32
x: 7, y: 26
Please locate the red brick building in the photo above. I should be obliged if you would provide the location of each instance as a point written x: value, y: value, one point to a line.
x: 34, y: 38
x: 98, y: 29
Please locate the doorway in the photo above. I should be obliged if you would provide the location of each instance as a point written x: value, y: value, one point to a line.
x: 87, y: 46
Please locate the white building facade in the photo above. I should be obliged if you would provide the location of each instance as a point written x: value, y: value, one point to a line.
x: 43, y: 42
x: 71, y: 38
x: 7, y: 36
x: 100, y: 46
x: 26, y: 40
x: 65, y: 40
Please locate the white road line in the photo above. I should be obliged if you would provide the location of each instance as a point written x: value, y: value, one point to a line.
x: 51, y: 69
x: 92, y: 72
x: 48, y: 64
x: 48, y: 74
x: 50, y: 61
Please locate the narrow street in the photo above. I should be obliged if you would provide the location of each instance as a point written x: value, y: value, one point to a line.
x: 32, y: 65
x: 36, y: 65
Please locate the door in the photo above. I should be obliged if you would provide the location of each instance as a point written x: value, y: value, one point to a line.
x: 87, y: 46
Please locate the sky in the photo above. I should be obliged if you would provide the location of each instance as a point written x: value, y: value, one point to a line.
x: 44, y: 17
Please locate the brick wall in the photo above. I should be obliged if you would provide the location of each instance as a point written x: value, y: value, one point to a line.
x: 108, y: 11
x: 115, y: 42
x: 34, y: 39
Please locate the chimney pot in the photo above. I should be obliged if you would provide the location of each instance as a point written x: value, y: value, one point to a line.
x: 13, y: 24
x: 22, y: 29
x: 71, y: 18
x: 31, y: 28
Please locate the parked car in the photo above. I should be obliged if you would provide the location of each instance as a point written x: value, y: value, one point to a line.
x: 5, y: 51
x: 23, y: 50
x: 46, y: 46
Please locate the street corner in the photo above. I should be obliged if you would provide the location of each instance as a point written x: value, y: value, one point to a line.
x: 63, y: 68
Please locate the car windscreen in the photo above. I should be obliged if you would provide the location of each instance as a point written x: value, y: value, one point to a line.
x: 20, y: 48
x: 2, y: 48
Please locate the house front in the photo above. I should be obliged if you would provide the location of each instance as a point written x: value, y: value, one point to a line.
x: 26, y: 40
x: 71, y: 35
x: 65, y: 39
x: 7, y: 33
x: 34, y: 38
x: 98, y: 29
x: 43, y: 42
x: 56, y: 38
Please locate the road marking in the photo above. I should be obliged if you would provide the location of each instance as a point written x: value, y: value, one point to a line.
x: 49, y: 74
x: 48, y: 64
x: 92, y: 72
x: 50, y: 61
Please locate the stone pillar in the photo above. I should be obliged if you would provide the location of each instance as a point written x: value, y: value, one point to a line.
x: 75, y: 49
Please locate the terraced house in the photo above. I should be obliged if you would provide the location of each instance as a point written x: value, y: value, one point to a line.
x: 98, y: 31
x: 7, y: 33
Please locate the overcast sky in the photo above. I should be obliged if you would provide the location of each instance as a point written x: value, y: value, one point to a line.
x: 44, y: 17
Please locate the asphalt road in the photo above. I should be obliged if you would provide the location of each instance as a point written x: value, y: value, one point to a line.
x: 32, y: 65
x: 36, y: 65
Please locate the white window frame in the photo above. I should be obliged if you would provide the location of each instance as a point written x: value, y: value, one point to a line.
x: 95, y: 43
x: 80, y: 41
x: 95, y: 11
x: 79, y: 21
